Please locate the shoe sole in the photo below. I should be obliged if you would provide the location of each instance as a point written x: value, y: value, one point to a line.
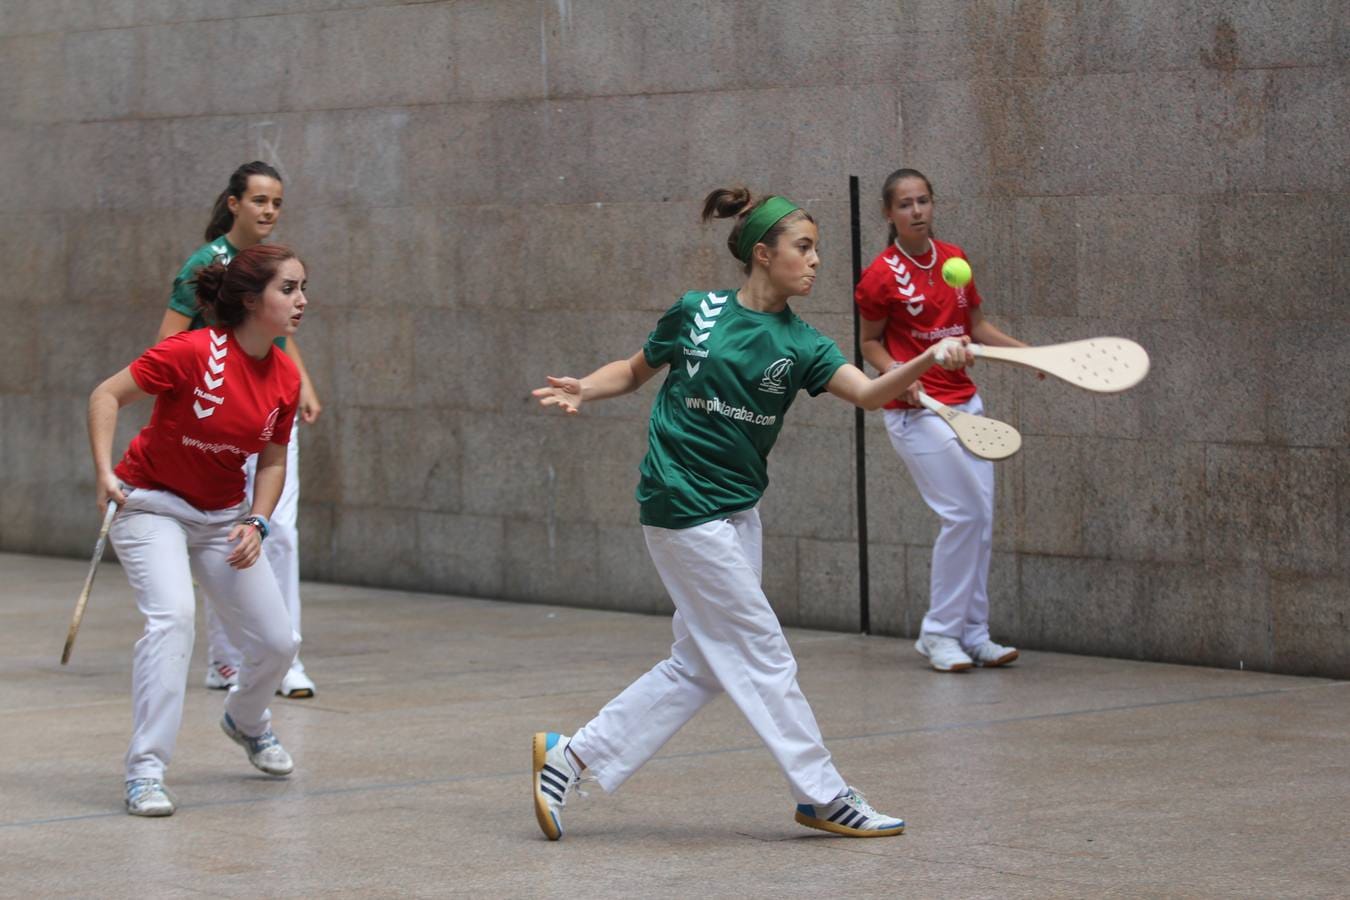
x: 1001, y: 661
x: 297, y: 694
x: 542, y: 814
x: 835, y: 828
x: 239, y: 739
x: 150, y: 813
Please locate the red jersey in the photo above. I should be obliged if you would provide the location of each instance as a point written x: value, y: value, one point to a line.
x: 919, y: 309
x: 214, y: 406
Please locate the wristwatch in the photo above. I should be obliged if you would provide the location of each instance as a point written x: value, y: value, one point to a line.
x: 258, y: 522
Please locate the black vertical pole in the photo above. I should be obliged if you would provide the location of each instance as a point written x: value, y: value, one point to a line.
x: 859, y: 447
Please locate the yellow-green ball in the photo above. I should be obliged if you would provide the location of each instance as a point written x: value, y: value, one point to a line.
x: 956, y: 272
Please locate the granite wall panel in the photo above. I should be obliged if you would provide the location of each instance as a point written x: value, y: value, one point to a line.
x: 486, y: 193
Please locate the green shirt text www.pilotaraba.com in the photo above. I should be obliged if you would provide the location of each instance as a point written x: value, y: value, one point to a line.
x: 733, y: 374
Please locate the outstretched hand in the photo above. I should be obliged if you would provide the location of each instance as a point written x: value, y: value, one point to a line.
x: 564, y: 393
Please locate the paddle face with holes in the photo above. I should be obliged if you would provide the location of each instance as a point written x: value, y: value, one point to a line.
x: 1104, y: 365
x: 986, y: 438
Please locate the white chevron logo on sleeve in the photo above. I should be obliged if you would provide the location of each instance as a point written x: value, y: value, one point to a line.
x: 709, y: 311
x: 692, y: 367
x: 905, y: 291
x: 914, y: 308
x: 698, y: 338
x: 218, y: 339
x: 716, y: 300
x: 702, y: 323
x: 212, y: 383
x: 219, y: 352
x: 214, y: 366
x: 201, y: 412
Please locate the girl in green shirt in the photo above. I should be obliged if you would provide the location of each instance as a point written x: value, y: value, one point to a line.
x: 736, y: 360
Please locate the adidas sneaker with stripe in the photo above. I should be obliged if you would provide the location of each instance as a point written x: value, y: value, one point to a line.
x: 850, y: 815
x: 554, y: 776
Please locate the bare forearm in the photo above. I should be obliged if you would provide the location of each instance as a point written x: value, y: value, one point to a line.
x: 610, y: 380
x: 292, y: 349
x: 891, y: 384
x: 986, y: 332
x: 876, y: 354
x: 103, y: 408
x: 267, y: 487
x: 873, y: 393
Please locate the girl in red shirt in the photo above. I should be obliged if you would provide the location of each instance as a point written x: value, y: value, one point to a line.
x: 906, y: 307
x: 246, y: 213
x: 221, y: 393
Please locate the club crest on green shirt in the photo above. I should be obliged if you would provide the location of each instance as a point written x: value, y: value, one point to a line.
x: 775, y: 378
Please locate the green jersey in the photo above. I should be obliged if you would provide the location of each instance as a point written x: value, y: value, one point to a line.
x: 733, y: 374
x: 183, y: 299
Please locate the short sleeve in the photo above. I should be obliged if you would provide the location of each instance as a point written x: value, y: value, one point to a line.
x: 973, y: 297
x: 165, y: 365
x: 826, y: 359
x: 871, y: 297
x: 183, y: 297
x: 286, y: 419
x: 665, y: 337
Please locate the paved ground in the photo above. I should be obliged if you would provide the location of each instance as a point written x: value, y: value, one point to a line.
x: 1061, y: 776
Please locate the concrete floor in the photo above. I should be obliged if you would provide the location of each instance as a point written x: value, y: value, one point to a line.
x: 1060, y: 776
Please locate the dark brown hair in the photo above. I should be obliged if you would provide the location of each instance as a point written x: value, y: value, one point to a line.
x: 891, y: 181
x: 723, y: 203
x: 222, y: 220
x: 221, y: 289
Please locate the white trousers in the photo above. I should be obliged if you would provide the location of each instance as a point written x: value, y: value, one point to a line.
x: 283, y: 553
x: 959, y: 487
x: 163, y: 543
x: 727, y: 638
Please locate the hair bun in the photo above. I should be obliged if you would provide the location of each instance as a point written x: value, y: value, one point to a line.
x: 725, y: 203
x: 207, y: 281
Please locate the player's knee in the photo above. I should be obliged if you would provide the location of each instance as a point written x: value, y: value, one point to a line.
x: 971, y: 518
x: 178, y: 622
x: 280, y: 643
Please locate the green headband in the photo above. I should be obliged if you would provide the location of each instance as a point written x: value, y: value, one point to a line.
x: 765, y: 216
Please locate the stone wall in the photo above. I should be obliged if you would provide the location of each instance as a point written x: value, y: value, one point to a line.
x: 487, y: 192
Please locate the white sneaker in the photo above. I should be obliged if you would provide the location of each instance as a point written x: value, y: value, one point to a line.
x: 943, y: 653
x: 554, y: 777
x: 149, y: 797
x: 850, y: 815
x: 264, y: 751
x: 990, y: 654
x: 221, y: 676
x: 296, y: 685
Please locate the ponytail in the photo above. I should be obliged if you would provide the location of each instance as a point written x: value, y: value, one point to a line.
x: 724, y: 203
x: 222, y: 220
